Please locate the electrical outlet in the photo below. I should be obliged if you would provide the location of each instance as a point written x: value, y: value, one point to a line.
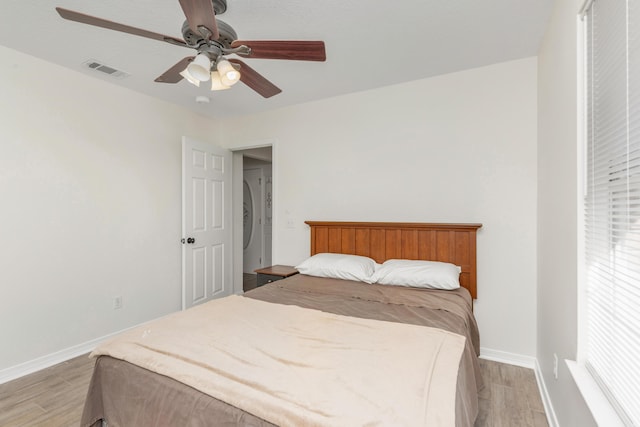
x: 117, y: 302
x: 555, y: 366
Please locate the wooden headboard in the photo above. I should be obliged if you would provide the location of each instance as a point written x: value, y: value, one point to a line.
x: 454, y: 243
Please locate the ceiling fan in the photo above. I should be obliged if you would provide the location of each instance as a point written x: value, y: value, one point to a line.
x: 213, y: 40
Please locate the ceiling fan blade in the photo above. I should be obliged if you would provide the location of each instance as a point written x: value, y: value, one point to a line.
x: 172, y: 75
x: 284, y: 49
x: 110, y: 25
x: 200, y: 13
x: 255, y: 80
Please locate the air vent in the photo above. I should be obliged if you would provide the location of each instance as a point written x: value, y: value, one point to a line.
x: 92, y: 64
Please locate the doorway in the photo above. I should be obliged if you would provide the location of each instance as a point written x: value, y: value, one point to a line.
x: 255, y: 213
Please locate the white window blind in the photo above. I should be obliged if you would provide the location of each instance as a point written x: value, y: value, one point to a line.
x: 612, y: 202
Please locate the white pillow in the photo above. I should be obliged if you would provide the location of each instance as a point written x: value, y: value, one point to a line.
x: 418, y: 274
x: 339, y: 266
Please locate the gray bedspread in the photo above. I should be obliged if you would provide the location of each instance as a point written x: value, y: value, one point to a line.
x: 127, y: 395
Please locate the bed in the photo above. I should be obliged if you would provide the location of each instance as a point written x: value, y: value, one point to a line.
x: 125, y: 391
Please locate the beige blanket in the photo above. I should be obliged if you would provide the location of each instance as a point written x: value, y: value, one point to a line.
x: 299, y: 367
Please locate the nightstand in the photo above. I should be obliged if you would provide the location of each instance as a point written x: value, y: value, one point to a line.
x: 273, y: 273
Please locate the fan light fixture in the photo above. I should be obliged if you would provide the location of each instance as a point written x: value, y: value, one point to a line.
x: 188, y: 77
x: 223, y: 76
x: 216, y: 82
x: 228, y: 74
x: 200, y: 67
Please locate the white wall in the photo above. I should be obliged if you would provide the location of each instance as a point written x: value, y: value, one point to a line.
x: 90, y: 207
x: 558, y: 212
x: 454, y: 148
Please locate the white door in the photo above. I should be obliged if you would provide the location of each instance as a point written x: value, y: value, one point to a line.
x: 206, y: 222
x: 252, y: 219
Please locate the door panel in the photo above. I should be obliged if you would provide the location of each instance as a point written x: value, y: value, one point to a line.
x: 198, y: 284
x: 217, y: 198
x: 199, y: 199
x: 206, y: 204
x: 217, y: 256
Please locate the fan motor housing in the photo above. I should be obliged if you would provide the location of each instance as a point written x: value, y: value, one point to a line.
x: 227, y: 35
x: 219, y: 6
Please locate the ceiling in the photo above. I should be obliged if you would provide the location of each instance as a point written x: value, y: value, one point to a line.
x: 369, y: 43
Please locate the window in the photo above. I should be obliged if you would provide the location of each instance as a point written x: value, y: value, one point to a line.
x: 612, y: 202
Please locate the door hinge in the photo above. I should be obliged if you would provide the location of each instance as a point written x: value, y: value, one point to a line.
x: 259, y: 181
x: 259, y: 220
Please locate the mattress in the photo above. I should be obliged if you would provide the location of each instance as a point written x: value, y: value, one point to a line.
x: 124, y: 394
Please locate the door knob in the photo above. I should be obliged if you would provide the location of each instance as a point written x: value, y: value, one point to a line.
x: 189, y: 240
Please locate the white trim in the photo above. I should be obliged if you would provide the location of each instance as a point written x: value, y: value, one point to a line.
x: 585, y: 8
x: 506, y: 357
x: 581, y: 167
x: 552, y: 419
x: 236, y: 186
x: 598, y: 404
x: 46, y: 361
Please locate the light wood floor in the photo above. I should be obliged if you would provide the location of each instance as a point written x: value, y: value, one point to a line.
x: 510, y: 397
x: 51, y: 397
x: 54, y: 397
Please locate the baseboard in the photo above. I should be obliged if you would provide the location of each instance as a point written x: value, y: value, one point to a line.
x: 506, y: 357
x: 552, y: 419
x: 49, y: 360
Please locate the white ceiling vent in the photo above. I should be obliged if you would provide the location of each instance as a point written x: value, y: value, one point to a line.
x: 92, y: 64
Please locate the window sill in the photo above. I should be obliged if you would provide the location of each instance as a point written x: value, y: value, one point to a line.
x: 601, y: 409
